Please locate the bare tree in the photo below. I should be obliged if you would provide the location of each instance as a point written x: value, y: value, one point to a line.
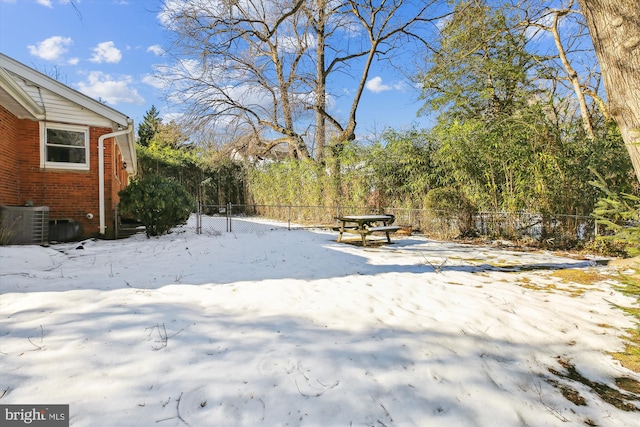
x: 573, y: 46
x: 262, y: 67
x: 319, y: 13
x: 615, y: 30
x: 384, y: 26
x: 236, y: 66
x: 550, y: 21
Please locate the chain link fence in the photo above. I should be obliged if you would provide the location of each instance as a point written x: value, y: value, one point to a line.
x: 554, y: 230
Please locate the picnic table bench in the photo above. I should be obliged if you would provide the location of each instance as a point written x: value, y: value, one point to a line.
x: 365, y: 225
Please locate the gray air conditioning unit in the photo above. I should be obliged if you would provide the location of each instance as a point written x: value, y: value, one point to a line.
x: 24, y: 225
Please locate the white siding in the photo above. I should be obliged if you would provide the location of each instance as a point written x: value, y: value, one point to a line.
x: 61, y: 110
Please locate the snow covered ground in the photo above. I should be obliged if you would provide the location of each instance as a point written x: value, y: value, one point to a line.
x: 287, y: 327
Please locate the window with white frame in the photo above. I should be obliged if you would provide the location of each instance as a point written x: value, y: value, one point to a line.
x: 65, y: 146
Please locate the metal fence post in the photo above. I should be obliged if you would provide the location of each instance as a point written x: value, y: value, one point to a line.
x: 229, y: 217
x: 198, y: 218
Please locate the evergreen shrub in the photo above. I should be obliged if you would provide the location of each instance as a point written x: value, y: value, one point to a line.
x: 159, y: 203
x: 619, y: 215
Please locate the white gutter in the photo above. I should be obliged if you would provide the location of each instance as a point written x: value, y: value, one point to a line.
x: 101, y: 139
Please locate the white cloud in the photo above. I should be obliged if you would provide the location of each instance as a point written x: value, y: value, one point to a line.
x: 169, y: 117
x: 169, y: 9
x: 73, y: 61
x: 156, y: 49
x: 106, y: 52
x: 46, y: 3
x: 375, y: 85
x: 52, y: 48
x: 154, y: 81
x: 114, y: 91
x: 291, y: 44
x: 400, y: 86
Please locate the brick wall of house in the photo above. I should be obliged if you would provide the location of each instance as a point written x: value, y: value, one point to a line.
x: 9, y: 177
x: 69, y: 194
x: 120, y: 176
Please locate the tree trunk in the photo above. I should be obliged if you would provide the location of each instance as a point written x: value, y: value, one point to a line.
x: 573, y: 78
x: 615, y: 30
x: 321, y: 82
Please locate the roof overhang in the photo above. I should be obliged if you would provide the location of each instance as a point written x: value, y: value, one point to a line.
x: 38, y: 79
x: 16, y: 100
x: 127, y: 145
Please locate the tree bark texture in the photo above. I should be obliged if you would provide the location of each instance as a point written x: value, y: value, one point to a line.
x: 615, y: 30
x: 321, y: 82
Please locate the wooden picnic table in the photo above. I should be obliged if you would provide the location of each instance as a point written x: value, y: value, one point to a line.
x: 365, y: 225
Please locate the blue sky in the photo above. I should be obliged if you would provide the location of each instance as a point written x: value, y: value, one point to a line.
x: 107, y: 50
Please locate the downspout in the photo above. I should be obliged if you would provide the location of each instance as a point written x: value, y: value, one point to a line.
x: 101, y: 139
